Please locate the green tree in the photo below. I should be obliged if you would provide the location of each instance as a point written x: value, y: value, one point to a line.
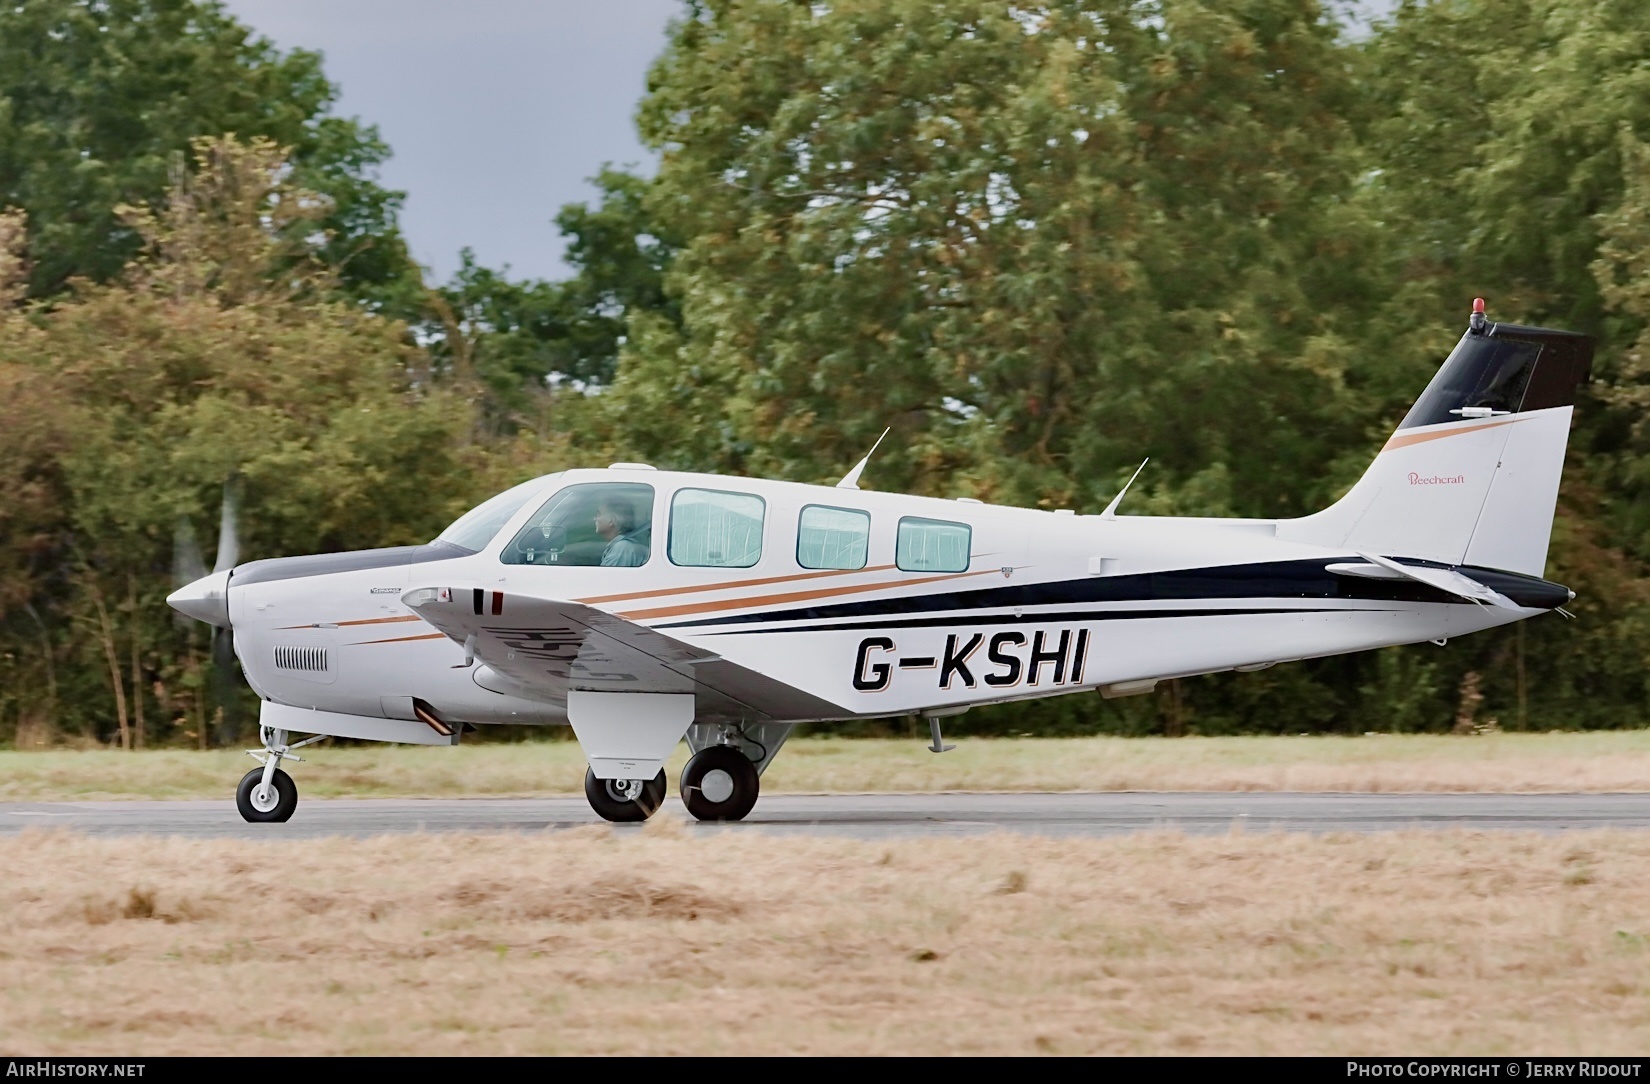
x: 520, y: 337
x: 1507, y: 135
x: 1622, y: 271
x: 1039, y: 243
x: 1498, y: 143
x: 100, y: 99
x: 222, y: 352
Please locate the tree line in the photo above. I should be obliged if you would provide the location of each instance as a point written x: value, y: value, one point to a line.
x: 1038, y: 242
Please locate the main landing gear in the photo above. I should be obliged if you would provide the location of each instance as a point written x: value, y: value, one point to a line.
x: 624, y: 800
x: 719, y: 784
x: 267, y: 794
x: 721, y: 781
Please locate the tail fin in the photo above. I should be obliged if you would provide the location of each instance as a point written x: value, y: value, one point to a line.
x: 1471, y: 476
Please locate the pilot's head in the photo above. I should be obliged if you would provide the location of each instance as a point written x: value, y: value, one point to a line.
x: 614, y: 517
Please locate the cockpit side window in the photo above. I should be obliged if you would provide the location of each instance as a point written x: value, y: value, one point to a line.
x: 475, y: 528
x: 594, y: 524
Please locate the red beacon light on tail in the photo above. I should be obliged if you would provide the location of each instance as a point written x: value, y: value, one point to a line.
x: 1479, y: 320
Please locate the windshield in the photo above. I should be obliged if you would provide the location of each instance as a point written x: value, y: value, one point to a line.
x: 475, y: 528
x: 597, y: 523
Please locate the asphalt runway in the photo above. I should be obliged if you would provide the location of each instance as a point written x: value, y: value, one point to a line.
x: 874, y: 816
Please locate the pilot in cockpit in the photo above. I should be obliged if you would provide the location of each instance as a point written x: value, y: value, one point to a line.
x: 616, y: 522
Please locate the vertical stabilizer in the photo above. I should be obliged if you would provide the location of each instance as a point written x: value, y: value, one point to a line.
x: 1471, y: 476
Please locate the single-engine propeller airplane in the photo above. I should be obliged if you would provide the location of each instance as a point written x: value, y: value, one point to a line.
x: 644, y: 606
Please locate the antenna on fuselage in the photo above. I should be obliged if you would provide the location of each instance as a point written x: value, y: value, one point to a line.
x: 1111, y: 509
x: 851, y: 479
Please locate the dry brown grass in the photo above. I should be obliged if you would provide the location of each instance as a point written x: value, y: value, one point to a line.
x: 661, y: 941
x: 1600, y: 761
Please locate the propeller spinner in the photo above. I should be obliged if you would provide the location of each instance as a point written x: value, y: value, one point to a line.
x: 205, y: 596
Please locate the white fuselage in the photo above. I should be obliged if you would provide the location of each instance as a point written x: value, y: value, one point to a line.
x: 1047, y: 603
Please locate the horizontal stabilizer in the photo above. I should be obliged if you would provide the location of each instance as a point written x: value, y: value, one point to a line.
x: 1364, y: 570
x: 1443, y: 579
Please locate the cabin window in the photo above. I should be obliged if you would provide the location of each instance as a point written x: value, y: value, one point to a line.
x: 597, y: 523
x: 932, y: 545
x: 713, y: 529
x: 832, y: 537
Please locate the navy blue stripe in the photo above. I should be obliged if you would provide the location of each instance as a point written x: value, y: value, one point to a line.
x: 1306, y: 579
x: 1040, y: 618
x: 1268, y: 579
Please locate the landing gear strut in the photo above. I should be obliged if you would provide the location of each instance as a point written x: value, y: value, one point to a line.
x: 267, y: 794
x: 719, y: 784
x: 624, y: 800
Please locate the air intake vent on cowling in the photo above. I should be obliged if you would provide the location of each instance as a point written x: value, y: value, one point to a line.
x: 309, y: 659
x: 313, y: 662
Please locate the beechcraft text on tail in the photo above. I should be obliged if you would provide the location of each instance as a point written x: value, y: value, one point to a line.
x: 644, y: 607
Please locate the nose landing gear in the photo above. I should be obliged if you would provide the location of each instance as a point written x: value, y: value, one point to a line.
x: 271, y: 801
x: 267, y: 794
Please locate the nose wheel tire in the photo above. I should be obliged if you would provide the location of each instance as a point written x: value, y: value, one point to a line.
x: 266, y: 806
x: 624, y: 800
x: 719, y: 784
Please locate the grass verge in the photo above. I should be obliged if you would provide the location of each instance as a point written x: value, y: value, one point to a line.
x: 1598, y: 761
x: 657, y: 941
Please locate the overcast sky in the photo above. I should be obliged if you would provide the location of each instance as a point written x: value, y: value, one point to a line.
x: 497, y: 110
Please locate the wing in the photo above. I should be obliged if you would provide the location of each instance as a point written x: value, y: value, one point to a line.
x: 548, y: 647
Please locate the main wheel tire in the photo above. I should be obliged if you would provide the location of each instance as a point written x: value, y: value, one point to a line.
x: 719, y: 784
x: 613, y: 807
x: 266, y: 809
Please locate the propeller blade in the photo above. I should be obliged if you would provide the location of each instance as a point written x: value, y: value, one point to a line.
x: 229, y: 542
x: 224, y: 672
x: 223, y: 651
x: 187, y: 565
